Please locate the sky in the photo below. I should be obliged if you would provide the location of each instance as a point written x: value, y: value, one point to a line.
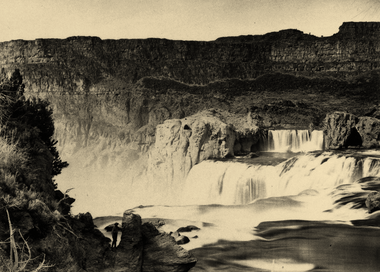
x: 204, y: 20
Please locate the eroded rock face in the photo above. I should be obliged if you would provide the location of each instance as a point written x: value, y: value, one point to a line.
x: 369, y: 130
x: 344, y: 129
x: 339, y: 129
x: 183, y: 143
x: 373, y: 202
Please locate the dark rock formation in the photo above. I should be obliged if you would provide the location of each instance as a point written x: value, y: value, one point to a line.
x: 339, y: 129
x: 369, y: 130
x: 162, y: 254
x: 64, y: 202
x: 144, y: 248
x: 373, y: 202
x: 182, y: 239
x: 130, y: 250
x: 344, y: 129
x: 188, y: 228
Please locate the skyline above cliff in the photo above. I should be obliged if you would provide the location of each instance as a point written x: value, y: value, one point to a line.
x: 177, y: 19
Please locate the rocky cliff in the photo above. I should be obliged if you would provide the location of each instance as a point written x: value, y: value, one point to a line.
x: 344, y: 130
x: 76, y: 62
x: 182, y: 143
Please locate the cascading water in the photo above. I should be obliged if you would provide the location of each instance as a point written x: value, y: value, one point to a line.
x: 293, y: 141
x: 228, y: 199
x: 228, y: 183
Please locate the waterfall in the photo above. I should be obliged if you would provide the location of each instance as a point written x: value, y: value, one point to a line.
x: 293, y: 141
x: 228, y: 183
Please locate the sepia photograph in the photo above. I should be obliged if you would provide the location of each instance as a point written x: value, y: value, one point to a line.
x: 189, y: 135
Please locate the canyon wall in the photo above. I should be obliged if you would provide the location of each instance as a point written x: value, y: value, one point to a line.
x: 79, y: 61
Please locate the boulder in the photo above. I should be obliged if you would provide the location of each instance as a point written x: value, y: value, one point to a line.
x: 188, y: 228
x: 182, y: 239
x: 373, y: 202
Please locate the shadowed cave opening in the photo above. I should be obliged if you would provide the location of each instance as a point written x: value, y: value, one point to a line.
x: 354, y: 139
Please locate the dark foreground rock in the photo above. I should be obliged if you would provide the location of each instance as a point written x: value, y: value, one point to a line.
x: 182, y: 239
x: 144, y: 248
x: 188, y: 228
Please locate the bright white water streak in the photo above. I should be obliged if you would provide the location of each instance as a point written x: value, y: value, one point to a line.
x: 294, y: 140
x: 107, y: 192
x: 229, y: 183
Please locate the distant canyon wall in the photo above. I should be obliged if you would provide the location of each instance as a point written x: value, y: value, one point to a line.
x: 72, y: 64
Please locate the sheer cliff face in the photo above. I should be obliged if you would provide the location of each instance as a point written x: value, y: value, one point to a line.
x: 53, y: 65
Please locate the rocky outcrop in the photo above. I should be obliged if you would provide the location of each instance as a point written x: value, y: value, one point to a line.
x: 130, y: 251
x: 183, y: 143
x: 373, y: 202
x: 369, y: 130
x: 144, y: 248
x: 344, y: 129
x: 340, y: 130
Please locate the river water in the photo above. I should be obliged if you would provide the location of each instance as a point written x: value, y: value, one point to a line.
x: 290, y: 209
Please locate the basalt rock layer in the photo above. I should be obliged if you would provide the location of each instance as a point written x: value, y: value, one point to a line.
x: 78, y: 62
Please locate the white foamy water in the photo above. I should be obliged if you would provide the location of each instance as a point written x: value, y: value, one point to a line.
x: 294, y: 141
x: 217, y: 182
x: 226, y: 199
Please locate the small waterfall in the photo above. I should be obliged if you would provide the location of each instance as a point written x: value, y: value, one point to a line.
x: 217, y: 182
x: 293, y: 141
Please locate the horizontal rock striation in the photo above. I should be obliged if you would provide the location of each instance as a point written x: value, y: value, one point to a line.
x: 75, y: 62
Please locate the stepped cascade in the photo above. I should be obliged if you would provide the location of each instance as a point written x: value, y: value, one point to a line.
x: 293, y: 141
x: 229, y: 183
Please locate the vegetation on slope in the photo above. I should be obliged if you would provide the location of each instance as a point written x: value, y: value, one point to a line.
x: 28, y: 161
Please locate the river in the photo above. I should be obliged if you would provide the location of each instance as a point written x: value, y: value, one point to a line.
x: 293, y: 208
